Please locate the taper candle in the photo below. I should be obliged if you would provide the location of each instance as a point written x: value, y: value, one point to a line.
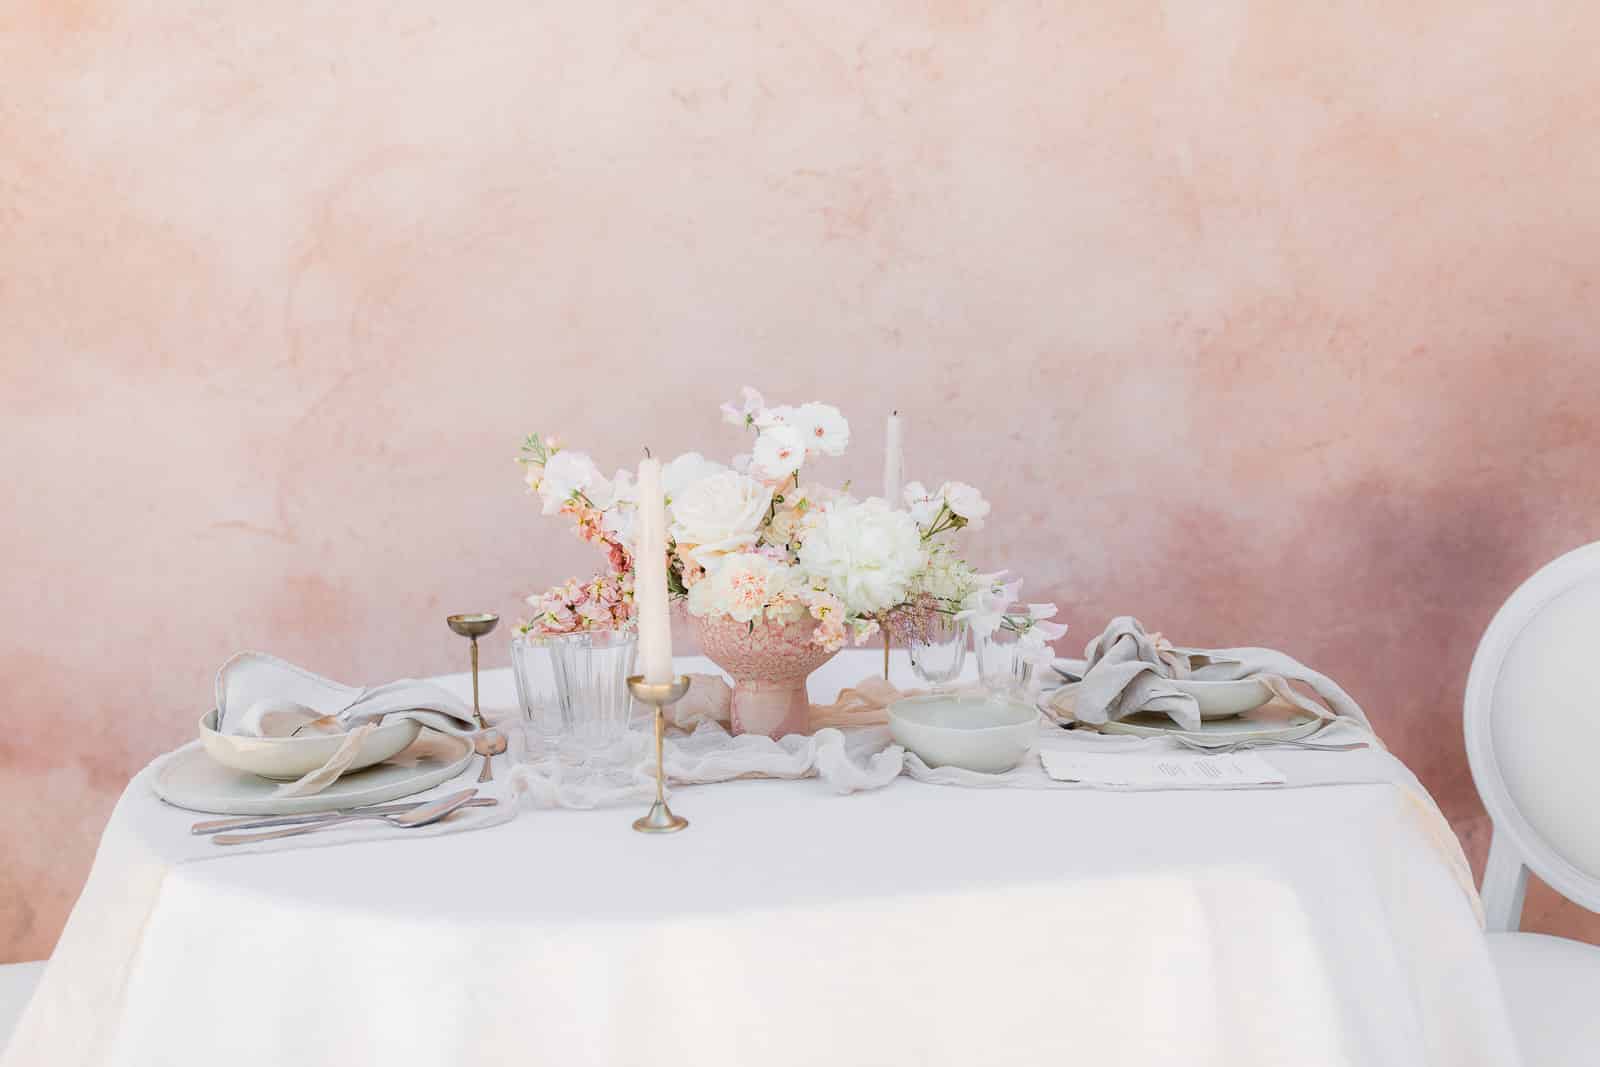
x: 650, y: 578
x: 893, y: 460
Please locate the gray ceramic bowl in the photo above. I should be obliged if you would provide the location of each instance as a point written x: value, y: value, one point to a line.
x: 973, y: 732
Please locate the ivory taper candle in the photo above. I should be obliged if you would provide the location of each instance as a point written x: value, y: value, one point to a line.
x: 893, y: 460
x: 650, y: 578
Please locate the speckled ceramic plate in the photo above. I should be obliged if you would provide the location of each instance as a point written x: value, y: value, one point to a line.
x: 1272, y: 722
x: 189, y: 778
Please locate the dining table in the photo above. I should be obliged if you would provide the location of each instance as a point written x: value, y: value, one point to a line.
x: 793, y: 924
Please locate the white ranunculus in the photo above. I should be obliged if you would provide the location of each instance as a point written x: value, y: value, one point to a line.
x: 965, y: 501
x: 685, y: 470
x: 824, y: 429
x: 566, y: 473
x: 746, y: 587
x: 778, y: 453
x: 782, y: 415
x: 718, y: 515
x: 865, y: 553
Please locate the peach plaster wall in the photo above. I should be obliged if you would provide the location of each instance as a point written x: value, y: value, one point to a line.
x: 1265, y: 322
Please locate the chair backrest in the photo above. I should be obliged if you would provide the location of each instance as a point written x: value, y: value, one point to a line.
x: 1532, y: 718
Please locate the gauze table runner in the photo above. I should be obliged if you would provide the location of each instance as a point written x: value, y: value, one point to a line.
x: 1384, y: 961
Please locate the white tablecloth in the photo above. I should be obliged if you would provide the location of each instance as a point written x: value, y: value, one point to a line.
x: 916, y: 924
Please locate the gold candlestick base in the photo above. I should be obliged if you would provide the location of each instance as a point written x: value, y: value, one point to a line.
x: 659, y: 820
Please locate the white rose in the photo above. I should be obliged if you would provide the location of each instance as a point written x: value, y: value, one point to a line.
x: 778, y: 452
x: 746, y: 587
x: 567, y: 473
x: 718, y: 515
x: 684, y: 471
x: 865, y: 553
x: 965, y: 501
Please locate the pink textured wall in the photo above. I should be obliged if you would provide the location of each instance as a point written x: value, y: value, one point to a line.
x: 1265, y: 322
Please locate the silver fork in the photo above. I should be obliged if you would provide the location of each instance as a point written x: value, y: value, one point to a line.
x: 1268, y: 742
x: 262, y: 822
x: 428, y: 813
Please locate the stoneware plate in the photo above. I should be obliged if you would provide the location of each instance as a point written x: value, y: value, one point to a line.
x: 189, y: 778
x: 977, y: 733
x: 1273, y: 722
x: 288, y: 758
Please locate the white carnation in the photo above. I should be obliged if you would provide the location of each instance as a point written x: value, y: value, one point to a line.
x: 866, y: 554
x: 747, y: 587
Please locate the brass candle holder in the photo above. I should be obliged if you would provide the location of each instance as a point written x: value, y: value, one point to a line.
x: 659, y: 820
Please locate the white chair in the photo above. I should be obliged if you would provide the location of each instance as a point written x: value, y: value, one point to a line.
x: 16, y: 987
x: 1532, y: 714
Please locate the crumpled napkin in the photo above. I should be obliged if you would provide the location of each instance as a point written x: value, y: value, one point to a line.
x: 1130, y: 670
x: 710, y: 699
x: 263, y: 696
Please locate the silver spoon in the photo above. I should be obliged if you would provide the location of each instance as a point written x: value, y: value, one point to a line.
x: 487, y: 743
x: 410, y: 820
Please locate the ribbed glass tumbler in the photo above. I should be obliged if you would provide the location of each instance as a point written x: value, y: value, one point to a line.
x: 537, y: 693
x: 591, y: 672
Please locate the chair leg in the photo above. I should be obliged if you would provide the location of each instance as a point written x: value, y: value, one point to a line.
x: 1505, y: 885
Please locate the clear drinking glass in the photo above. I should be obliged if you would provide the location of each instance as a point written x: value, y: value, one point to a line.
x: 937, y: 642
x: 591, y: 675
x: 537, y: 693
x: 1004, y: 674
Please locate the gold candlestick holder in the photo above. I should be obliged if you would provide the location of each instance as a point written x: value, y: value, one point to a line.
x: 659, y: 820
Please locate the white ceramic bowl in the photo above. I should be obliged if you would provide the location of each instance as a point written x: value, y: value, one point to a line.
x: 975, y: 733
x: 1221, y: 700
x: 288, y: 758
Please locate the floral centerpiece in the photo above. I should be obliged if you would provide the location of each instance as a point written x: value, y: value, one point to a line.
x: 777, y: 571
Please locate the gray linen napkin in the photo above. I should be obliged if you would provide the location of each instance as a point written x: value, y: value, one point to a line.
x: 1130, y: 670
x: 263, y: 696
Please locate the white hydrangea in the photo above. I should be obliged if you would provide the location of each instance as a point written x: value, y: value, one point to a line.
x: 866, y: 554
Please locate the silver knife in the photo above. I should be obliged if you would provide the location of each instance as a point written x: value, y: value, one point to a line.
x: 262, y: 822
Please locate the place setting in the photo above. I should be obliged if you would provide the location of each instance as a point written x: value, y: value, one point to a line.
x: 286, y: 753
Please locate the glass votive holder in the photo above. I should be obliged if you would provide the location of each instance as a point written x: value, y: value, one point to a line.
x: 591, y: 674
x: 937, y: 642
x: 1003, y: 672
x: 537, y: 693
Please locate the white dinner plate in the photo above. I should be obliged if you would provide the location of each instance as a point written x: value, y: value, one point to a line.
x: 192, y: 779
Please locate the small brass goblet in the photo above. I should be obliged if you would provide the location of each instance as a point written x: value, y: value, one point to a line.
x: 488, y: 743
